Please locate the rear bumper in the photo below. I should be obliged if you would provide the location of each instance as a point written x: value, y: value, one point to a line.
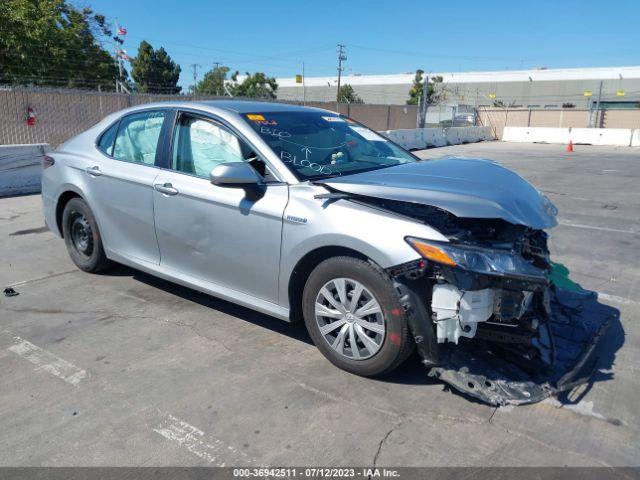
x: 49, y: 212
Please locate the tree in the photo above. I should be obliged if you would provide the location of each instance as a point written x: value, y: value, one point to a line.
x: 415, y: 93
x: 213, y: 82
x: 52, y: 43
x: 257, y: 85
x: 502, y: 104
x: 154, y: 71
x: 348, y: 95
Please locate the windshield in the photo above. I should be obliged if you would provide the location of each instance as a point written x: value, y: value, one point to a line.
x: 322, y: 144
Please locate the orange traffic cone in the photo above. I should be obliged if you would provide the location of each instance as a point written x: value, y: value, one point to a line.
x: 570, y: 146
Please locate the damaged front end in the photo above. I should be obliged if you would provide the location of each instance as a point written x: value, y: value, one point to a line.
x: 486, y: 318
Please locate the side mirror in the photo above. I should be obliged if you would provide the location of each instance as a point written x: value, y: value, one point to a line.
x: 234, y: 174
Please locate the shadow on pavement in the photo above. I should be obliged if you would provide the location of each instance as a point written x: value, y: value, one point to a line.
x: 576, y: 319
x: 412, y: 372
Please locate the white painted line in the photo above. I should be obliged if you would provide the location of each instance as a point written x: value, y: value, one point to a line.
x: 617, y: 299
x: 46, y: 277
x: 568, y: 223
x: 48, y: 362
x: 208, y: 448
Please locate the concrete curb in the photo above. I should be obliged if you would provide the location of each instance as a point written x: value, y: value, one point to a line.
x: 420, y: 138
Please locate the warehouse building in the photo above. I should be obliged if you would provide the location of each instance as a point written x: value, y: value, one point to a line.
x: 618, y: 87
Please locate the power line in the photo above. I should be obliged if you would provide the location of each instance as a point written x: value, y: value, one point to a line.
x: 279, y: 61
x: 233, y: 52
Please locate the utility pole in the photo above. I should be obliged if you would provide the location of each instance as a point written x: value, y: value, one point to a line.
x: 216, y: 65
x: 195, y: 76
x: 341, y: 58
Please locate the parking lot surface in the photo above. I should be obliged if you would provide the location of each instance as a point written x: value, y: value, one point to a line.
x: 122, y: 369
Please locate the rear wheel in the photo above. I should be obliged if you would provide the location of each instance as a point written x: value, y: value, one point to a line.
x: 82, y: 237
x: 354, y: 317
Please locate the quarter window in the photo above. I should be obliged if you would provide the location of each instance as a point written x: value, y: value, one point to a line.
x: 106, y: 140
x: 137, y: 139
x: 200, y: 145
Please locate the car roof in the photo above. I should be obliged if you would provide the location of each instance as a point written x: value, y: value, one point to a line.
x: 234, y: 106
x: 249, y: 106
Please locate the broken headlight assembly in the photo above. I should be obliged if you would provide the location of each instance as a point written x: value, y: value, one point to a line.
x: 476, y: 259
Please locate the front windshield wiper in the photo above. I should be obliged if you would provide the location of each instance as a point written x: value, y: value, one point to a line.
x: 332, y: 196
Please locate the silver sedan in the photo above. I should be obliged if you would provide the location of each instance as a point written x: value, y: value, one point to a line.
x: 303, y: 213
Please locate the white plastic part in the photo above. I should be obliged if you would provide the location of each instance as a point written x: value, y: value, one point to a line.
x: 457, y: 313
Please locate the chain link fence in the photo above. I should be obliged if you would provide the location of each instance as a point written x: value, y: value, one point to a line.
x: 61, y: 114
x: 498, y: 118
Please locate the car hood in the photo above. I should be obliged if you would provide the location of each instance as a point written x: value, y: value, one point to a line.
x: 469, y: 188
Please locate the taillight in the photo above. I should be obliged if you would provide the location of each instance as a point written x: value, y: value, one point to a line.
x: 47, y: 162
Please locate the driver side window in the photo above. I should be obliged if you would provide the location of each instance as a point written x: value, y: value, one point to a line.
x: 200, y: 145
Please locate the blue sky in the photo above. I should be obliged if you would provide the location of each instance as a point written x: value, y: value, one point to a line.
x: 381, y: 37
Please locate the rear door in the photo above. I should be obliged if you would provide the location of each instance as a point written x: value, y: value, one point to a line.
x: 122, y: 186
x: 225, y: 235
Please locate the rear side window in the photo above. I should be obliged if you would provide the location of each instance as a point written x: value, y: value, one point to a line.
x: 106, y: 140
x: 137, y: 139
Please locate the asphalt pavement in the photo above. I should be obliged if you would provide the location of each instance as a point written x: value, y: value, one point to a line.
x: 123, y: 369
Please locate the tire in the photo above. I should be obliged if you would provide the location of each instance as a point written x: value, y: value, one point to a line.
x: 381, y: 352
x: 82, y: 237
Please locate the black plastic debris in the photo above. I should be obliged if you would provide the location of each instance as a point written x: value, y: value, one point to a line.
x: 577, y: 324
x: 10, y: 292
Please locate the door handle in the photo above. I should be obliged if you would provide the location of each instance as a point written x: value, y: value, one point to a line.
x: 93, y: 171
x: 165, y: 188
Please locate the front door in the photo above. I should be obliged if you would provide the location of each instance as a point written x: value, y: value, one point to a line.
x: 226, y: 235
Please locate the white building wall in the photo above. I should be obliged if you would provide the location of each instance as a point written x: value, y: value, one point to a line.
x: 524, y: 87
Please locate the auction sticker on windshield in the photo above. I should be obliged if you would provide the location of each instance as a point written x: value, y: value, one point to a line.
x: 333, y: 119
x: 368, y: 134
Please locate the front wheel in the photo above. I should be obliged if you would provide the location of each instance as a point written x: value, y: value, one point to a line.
x: 354, y: 317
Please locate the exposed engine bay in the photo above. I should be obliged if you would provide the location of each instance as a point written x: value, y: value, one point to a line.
x: 506, y: 309
x: 496, y: 327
